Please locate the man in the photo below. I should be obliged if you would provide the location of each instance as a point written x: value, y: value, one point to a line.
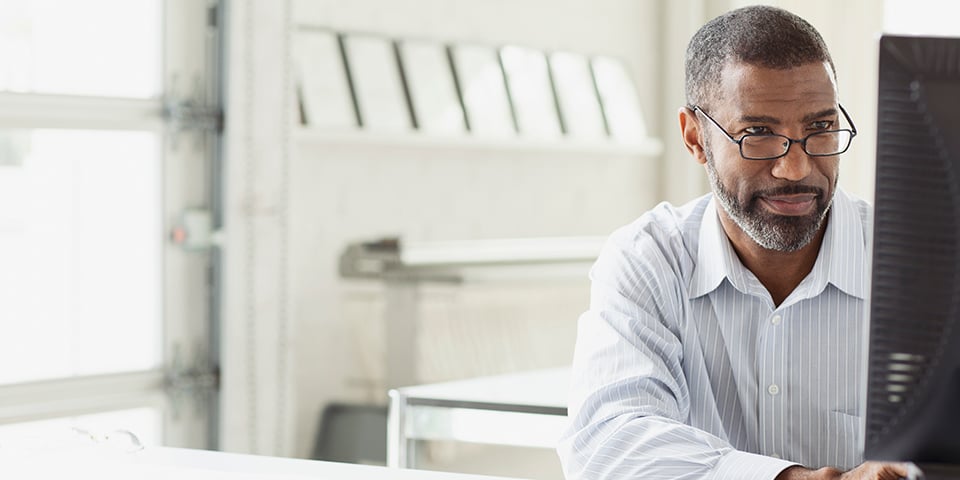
x: 724, y: 338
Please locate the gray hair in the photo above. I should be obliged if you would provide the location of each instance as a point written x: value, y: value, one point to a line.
x: 757, y: 35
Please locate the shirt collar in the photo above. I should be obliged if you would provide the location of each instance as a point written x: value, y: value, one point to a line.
x: 716, y: 258
x: 841, y: 260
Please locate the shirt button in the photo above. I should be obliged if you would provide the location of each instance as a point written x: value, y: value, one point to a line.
x: 776, y: 319
x: 773, y: 389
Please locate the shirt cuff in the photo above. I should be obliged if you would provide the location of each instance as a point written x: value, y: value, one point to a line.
x: 749, y: 466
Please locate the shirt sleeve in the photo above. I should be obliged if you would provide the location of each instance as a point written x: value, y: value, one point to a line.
x: 629, y: 399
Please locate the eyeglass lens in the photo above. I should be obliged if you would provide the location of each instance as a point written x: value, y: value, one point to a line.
x: 766, y: 146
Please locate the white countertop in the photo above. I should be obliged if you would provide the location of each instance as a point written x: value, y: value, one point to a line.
x: 155, y: 463
x: 537, y: 388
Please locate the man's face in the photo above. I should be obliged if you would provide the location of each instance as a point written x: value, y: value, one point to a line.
x: 780, y: 204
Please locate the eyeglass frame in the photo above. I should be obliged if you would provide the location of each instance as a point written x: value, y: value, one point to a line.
x: 801, y: 141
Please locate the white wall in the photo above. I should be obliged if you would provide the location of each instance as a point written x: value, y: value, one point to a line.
x: 258, y: 404
x: 346, y: 192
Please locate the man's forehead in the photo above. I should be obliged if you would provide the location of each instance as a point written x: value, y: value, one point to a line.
x: 745, y: 87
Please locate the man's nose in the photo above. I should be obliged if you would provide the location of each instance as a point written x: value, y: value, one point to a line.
x: 795, y: 165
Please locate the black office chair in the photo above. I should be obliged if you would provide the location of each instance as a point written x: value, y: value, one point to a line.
x: 352, y: 434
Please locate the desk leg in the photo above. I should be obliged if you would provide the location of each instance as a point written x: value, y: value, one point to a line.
x: 401, y: 451
x: 401, y: 316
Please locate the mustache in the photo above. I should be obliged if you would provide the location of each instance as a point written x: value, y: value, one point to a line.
x: 788, y: 190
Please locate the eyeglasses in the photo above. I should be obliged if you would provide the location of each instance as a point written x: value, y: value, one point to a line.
x: 769, y: 146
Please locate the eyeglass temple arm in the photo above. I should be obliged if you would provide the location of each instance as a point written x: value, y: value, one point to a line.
x: 849, y: 120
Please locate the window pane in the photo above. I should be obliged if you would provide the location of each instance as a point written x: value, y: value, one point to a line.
x: 921, y: 17
x: 80, y: 246
x: 93, y: 47
x: 144, y: 423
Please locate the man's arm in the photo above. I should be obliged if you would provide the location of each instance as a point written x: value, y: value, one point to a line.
x: 630, y: 399
x: 866, y: 471
x: 627, y: 421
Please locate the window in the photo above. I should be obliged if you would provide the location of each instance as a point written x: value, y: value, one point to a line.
x: 107, y: 48
x: 80, y: 245
x: 95, y: 303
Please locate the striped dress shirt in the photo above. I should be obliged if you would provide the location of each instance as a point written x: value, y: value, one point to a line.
x: 685, y: 369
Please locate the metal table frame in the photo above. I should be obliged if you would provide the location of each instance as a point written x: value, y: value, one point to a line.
x: 522, y: 409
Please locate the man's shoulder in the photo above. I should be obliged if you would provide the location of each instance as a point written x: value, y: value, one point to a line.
x: 663, y: 223
x: 862, y: 211
x: 650, y: 260
x: 664, y: 239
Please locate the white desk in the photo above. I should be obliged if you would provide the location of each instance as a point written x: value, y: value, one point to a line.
x: 524, y: 409
x: 182, y: 464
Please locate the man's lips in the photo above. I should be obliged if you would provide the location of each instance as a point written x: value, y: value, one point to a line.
x: 791, y: 205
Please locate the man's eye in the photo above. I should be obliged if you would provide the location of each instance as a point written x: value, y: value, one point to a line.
x: 821, y: 125
x: 756, y: 130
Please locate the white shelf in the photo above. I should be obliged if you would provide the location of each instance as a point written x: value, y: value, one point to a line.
x: 35, y: 110
x: 648, y: 147
x: 502, y: 251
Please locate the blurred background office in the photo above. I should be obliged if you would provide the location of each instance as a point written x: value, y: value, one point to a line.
x: 209, y: 211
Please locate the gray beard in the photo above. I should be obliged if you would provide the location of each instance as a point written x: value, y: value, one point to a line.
x: 780, y: 233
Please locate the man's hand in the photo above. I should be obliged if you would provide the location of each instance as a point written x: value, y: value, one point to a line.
x: 866, y: 471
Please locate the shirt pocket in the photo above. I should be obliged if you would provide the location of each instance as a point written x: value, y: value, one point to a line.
x: 843, y: 440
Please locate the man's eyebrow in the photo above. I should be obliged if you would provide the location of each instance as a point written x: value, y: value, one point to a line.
x: 760, y: 119
x: 823, y: 113
x: 829, y: 112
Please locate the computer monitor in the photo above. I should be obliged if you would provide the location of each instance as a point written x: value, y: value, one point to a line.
x: 913, y: 381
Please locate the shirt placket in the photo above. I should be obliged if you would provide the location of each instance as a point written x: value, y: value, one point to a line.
x: 771, y: 378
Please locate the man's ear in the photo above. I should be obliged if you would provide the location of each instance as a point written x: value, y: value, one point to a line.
x: 690, y: 131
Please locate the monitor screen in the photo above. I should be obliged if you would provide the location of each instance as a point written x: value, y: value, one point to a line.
x: 913, y: 386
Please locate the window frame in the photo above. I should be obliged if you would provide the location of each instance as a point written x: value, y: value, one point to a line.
x: 184, y: 387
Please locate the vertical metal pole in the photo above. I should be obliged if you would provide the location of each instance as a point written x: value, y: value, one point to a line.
x: 401, y: 316
x: 216, y: 83
x: 398, y: 454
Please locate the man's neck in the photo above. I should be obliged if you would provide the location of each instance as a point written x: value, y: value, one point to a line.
x: 779, y: 272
